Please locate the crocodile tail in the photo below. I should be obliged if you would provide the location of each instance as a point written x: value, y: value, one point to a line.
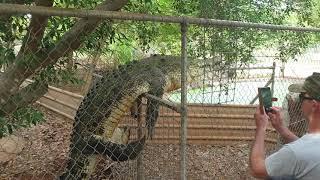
x: 117, y: 152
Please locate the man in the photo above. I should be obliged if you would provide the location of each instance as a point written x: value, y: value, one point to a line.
x: 300, y: 157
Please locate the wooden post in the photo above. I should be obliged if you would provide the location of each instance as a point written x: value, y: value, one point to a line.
x: 89, y: 75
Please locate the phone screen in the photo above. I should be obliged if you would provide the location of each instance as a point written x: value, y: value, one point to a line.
x: 265, y: 98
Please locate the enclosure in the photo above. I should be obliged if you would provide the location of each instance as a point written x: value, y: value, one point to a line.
x: 78, y: 101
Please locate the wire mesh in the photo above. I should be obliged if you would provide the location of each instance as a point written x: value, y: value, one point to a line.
x: 98, y: 119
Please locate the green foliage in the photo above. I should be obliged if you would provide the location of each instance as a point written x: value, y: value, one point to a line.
x: 315, y: 19
x: 238, y: 44
x: 22, y: 118
x: 291, y: 44
x: 12, y: 29
x: 168, y: 40
x: 186, y: 7
x: 59, y: 73
x: 123, y: 53
x: 88, y: 4
x: 6, y: 56
x: 56, y: 28
x: 105, y: 34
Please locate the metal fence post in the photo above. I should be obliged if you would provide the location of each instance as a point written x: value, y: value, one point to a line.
x: 273, y: 77
x: 140, y: 171
x: 183, y: 132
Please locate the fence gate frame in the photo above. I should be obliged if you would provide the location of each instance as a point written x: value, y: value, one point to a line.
x: 14, y: 9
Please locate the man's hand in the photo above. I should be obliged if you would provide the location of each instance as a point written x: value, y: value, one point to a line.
x: 276, y: 119
x: 277, y: 123
x: 261, y: 119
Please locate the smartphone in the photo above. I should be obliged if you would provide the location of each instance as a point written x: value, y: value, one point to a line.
x: 265, y: 98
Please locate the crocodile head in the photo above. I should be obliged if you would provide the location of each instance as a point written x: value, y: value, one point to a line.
x: 171, y: 67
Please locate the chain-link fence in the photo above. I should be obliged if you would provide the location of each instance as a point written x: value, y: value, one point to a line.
x: 74, y: 103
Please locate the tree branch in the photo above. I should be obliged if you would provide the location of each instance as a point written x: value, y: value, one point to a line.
x: 14, y: 1
x: 72, y: 40
x: 5, y: 18
x: 36, y: 30
x: 23, y: 97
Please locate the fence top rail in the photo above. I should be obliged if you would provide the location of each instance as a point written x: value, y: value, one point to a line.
x: 85, y: 13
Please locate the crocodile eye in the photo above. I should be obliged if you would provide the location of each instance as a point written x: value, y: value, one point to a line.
x: 162, y: 59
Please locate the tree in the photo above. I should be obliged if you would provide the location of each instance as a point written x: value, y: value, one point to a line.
x: 34, y: 58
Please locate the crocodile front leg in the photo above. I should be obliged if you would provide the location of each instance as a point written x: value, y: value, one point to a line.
x: 157, y: 86
x: 152, y: 114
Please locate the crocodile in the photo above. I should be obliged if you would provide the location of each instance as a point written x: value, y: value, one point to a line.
x: 109, y: 99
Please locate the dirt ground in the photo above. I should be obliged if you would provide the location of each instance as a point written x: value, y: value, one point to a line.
x: 47, y: 144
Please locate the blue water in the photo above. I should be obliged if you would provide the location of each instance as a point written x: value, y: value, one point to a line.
x: 238, y: 93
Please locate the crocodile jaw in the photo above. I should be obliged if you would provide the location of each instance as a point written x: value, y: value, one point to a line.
x: 174, y: 82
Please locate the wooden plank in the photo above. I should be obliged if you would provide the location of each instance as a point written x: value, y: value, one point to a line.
x: 60, y: 101
x: 65, y: 97
x: 61, y: 108
x: 55, y: 110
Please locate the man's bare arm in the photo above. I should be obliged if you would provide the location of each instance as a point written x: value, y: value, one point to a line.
x: 257, y: 156
x: 286, y: 134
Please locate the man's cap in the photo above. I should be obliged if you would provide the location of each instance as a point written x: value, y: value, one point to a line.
x: 311, y: 86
